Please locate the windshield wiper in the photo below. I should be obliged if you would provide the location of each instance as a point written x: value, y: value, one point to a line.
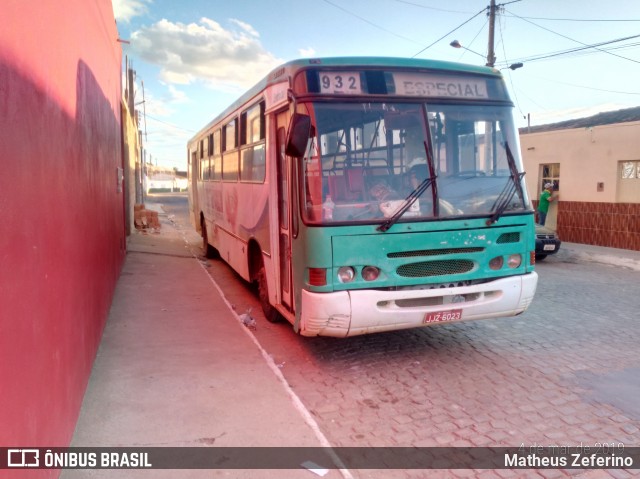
x: 515, y: 185
x: 414, y: 195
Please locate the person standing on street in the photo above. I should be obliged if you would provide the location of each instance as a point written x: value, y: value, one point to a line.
x: 543, y: 205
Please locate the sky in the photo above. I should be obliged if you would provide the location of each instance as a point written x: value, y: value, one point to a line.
x: 193, y: 58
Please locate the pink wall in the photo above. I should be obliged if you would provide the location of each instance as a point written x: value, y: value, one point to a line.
x: 62, y: 239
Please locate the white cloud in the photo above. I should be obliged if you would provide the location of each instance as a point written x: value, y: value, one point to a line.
x: 226, y: 58
x: 177, y: 96
x: 153, y: 105
x: 125, y: 10
x: 307, y: 52
x: 245, y: 26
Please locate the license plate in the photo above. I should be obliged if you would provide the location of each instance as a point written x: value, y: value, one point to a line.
x: 549, y: 247
x: 442, y: 316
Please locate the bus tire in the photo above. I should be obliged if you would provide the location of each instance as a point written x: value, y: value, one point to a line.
x: 270, y: 313
x: 208, y: 250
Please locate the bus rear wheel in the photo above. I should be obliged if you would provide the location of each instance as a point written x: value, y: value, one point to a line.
x: 208, y: 250
x: 269, y: 311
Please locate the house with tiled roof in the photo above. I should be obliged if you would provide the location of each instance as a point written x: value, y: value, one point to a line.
x: 594, y: 165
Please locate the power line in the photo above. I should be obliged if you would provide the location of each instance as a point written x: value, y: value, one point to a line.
x: 429, y: 8
x: 448, y: 33
x: 582, y: 19
x: 589, y: 88
x: 371, y: 23
x: 476, y: 36
x: 573, y: 40
x: 544, y: 56
x: 504, y: 52
x: 169, y: 124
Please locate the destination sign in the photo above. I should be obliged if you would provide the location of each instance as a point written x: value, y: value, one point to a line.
x: 423, y: 84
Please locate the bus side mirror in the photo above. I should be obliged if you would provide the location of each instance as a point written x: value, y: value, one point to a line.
x: 298, y: 135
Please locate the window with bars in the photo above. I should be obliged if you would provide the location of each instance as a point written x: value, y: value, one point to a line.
x: 550, y: 174
x: 630, y: 170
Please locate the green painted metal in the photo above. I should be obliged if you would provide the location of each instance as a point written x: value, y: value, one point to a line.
x: 410, y: 244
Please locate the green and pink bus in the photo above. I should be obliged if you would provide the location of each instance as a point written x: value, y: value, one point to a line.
x: 369, y: 194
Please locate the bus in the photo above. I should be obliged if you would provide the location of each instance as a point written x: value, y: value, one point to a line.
x: 366, y: 194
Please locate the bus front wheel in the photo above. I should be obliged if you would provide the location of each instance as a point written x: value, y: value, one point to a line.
x: 269, y: 311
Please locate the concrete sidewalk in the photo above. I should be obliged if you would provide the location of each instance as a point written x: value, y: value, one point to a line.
x: 176, y: 367
x: 598, y: 254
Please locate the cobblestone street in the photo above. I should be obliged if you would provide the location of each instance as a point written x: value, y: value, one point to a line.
x: 566, y: 373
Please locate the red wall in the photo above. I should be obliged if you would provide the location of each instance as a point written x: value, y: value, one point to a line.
x: 62, y: 239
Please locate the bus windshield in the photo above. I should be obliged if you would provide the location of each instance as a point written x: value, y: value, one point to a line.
x: 365, y: 161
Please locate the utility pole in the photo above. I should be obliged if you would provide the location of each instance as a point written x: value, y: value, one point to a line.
x: 491, y: 61
x: 491, y: 56
x: 144, y: 164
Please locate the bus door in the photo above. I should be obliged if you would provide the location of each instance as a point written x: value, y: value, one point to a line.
x: 284, y: 210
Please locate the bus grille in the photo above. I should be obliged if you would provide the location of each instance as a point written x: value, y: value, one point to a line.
x: 513, y: 237
x: 435, y: 268
x: 433, y: 252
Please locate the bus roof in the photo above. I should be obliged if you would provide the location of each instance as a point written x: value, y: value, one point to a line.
x: 397, y: 62
x: 290, y: 68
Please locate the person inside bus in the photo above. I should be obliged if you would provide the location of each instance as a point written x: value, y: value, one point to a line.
x: 418, y: 172
x: 382, y: 191
x: 414, y: 143
x: 384, y: 196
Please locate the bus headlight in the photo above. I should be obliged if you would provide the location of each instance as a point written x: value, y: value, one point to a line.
x: 496, y: 263
x: 346, y: 274
x: 514, y: 261
x: 370, y: 273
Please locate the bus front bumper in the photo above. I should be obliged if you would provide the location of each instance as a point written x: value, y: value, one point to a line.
x: 355, y: 312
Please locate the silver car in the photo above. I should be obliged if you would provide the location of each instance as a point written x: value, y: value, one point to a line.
x: 547, y: 242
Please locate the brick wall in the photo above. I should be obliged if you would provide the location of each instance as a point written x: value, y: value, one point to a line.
x: 615, y: 225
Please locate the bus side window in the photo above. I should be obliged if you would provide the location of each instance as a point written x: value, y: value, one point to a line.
x: 253, y: 166
x: 216, y: 168
x: 204, y: 169
x: 252, y: 156
x: 229, y: 151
